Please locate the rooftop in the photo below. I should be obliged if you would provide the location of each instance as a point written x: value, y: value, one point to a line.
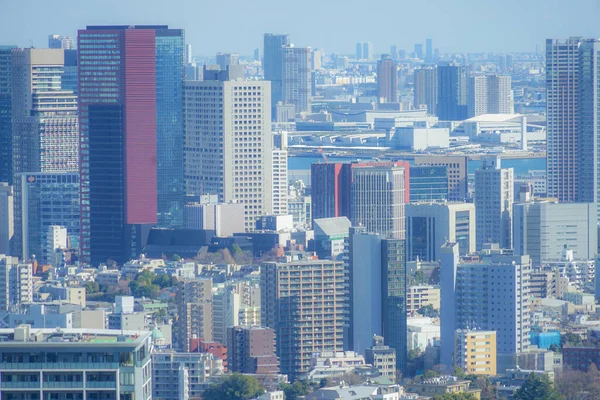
x: 63, y: 337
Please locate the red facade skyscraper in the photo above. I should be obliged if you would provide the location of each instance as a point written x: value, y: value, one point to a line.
x: 330, y: 190
x: 117, y: 100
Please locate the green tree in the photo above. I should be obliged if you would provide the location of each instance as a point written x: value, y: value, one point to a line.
x: 429, y: 311
x: 455, y: 396
x: 555, y: 348
x: 570, y: 339
x: 91, y: 287
x: 458, y: 372
x: 163, y: 280
x: 176, y: 257
x: 429, y: 374
x: 295, y: 390
x: 420, y: 278
x: 234, y: 387
x: 537, y: 388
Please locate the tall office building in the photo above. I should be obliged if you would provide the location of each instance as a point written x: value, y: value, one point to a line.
x: 296, y: 81
x: 228, y: 145
x: 428, y: 50
x: 44, y: 122
x: 330, y: 187
x: 16, y: 282
x: 134, y: 133
x: 458, y: 186
x: 419, y: 51
x: 377, y: 292
x: 428, y: 183
x: 387, y: 80
x: 195, y: 312
x: 426, y: 89
x: 588, y: 125
x: 6, y: 114
x: 273, y: 64
x: 364, y: 51
x: 453, y: 83
x: 56, y: 41
x: 430, y: 225
x: 494, y: 196
x: 307, y: 316
x: 498, y: 282
x: 358, y: 54
x: 562, y: 110
x: 490, y: 94
x: 378, y: 194
x: 280, y: 174
x: 170, y: 130
x: 7, y: 224
x: 48, y: 199
x: 541, y: 229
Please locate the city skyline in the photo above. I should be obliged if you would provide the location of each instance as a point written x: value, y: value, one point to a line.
x: 451, y: 27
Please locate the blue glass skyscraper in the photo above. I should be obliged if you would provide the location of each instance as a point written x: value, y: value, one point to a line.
x: 170, y: 59
x: 5, y: 114
x: 428, y: 183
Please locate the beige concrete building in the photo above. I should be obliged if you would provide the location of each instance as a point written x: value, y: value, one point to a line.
x: 421, y: 296
x: 228, y: 143
x: 194, y: 308
x: 475, y: 351
x: 306, y: 304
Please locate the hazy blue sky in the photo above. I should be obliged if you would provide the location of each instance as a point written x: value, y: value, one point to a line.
x: 334, y: 25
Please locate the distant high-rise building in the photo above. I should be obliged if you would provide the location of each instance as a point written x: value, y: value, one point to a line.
x: 453, y: 82
x: 539, y: 230
x: 394, y: 52
x: 419, y: 51
x: 6, y: 138
x: 296, y: 77
x: 489, y: 94
x: 188, y: 54
x: 430, y: 225
x: 44, y: 122
x: 367, y: 50
x: 280, y: 174
x: 56, y: 238
x: 230, y: 160
x: 428, y: 50
x: 387, y: 80
x: 495, y: 279
x: 16, y: 282
x: 194, y: 309
x: 48, y: 199
x: 330, y: 186
x: 251, y: 350
x: 358, y: 55
x: 60, y: 42
x: 428, y: 183
x: 305, y: 321
x: 7, y: 224
x: 377, y: 272
x: 426, y: 89
x: 256, y: 55
x: 226, y: 59
x: 140, y: 182
x: 562, y: 111
x: 273, y: 63
x: 378, y: 195
x: 588, y: 125
x: 458, y: 189
x: 317, y: 57
x: 494, y: 196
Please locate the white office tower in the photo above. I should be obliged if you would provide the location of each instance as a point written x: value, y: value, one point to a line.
x: 494, y: 196
x: 55, y: 240
x: 491, y: 293
x: 542, y: 229
x: 378, y: 195
x: 429, y: 225
x: 490, y: 94
x: 280, y: 174
x: 16, y: 282
x: 228, y: 144
x: 7, y: 226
